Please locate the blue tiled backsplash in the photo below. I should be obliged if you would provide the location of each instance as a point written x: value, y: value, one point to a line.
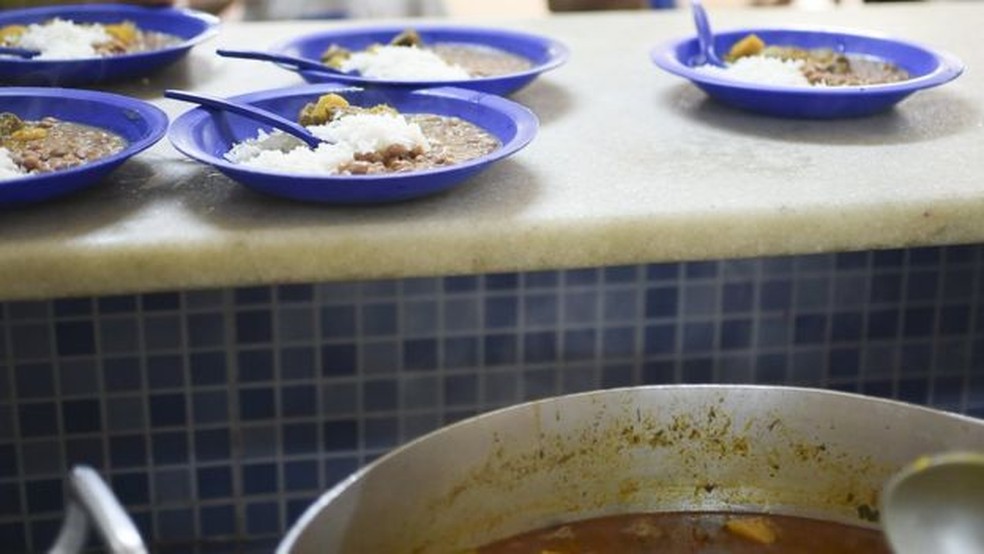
x: 220, y: 414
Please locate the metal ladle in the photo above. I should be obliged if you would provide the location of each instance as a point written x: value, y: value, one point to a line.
x: 704, y: 36
x: 936, y: 505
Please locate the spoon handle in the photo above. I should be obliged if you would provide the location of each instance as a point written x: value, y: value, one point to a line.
x: 21, y: 52
x: 245, y: 110
x: 297, y: 62
x: 704, y: 36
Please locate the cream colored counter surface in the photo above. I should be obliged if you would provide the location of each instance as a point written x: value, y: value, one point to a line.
x: 631, y: 165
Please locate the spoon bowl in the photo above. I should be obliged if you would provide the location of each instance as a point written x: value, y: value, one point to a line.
x: 302, y: 64
x: 936, y: 504
x: 246, y: 110
x: 704, y: 36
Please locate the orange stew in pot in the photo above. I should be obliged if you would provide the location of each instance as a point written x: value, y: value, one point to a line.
x: 695, y: 533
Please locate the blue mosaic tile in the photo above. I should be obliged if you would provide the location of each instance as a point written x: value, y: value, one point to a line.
x: 775, y: 295
x: 12, y: 536
x: 501, y: 312
x: 698, y: 370
x: 663, y: 272
x: 918, y: 322
x: 420, y: 318
x: 160, y: 301
x: 660, y: 339
x: 301, y: 476
x: 954, y: 320
x: 461, y: 352
x: 75, y: 338
x: 42, y: 531
x: 69, y: 307
x: 127, y: 451
x: 661, y: 372
x: 846, y: 327
x: 206, y: 299
x: 81, y: 416
x: 916, y: 357
x: 661, y: 302
x: 698, y: 337
x: 380, y: 289
x: 38, y: 419
x: 737, y: 297
x: 30, y: 341
x: 206, y: 330
x: 42, y: 458
x: 700, y: 270
x: 165, y: 372
x: 845, y: 362
x: 915, y: 390
x: 620, y: 305
x: 922, y: 285
x: 295, y: 293
x: 502, y: 281
x: 812, y: 294
x: 300, y: 438
x: 122, y: 374
x: 169, y: 448
x: 620, y: 274
x: 84, y: 451
x: 379, y: 396
x: 958, y: 285
x: 580, y: 277
x: 27, y: 310
x: 254, y: 366
x: 540, y: 279
x: 380, y: 357
x: 34, y: 380
x: 79, y: 377
x: 207, y: 368
x: 172, y: 487
x: 775, y: 267
x: 541, y: 309
x: 736, y: 334
x: 298, y: 401
x: 212, y: 444
x: 925, y: 256
x: 888, y: 258
x: 131, y: 488
x: 214, y: 482
x: 810, y: 329
x: 338, y: 359
x: 883, y: 324
x: 616, y: 375
x: 338, y: 322
x: 467, y: 283
x: 217, y: 521
x: 248, y: 296
x: 298, y: 363
x: 540, y: 347
x: 851, y: 260
x: 10, y: 501
x: 460, y: 390
x: 580, y: 308
x: 420, y: 354
x: 342, y: 435
x: 579, y: 344
x: 339, y: 399
x: 539, y: 383
x: 771, y: 368
x: 813, y: 262
x: 379, y: 319
x: 381, y: 433
x: 500, y: 349
x: 254, y: 326
x: 424, y: 286
x: 295, y: 324
x: 461, y: 314
x: 886, y: 288
x: 618, y: 342
x: 256, y: 404
x: 175, y: 525
x: 259, y: 479
x: 43, y: 496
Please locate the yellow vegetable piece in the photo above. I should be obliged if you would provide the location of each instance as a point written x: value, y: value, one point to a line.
x: 125, y: 32
x: 755, y: 529
x: 748, y: 46
x: 11, y: 33
x: 29, y: 133
x: 323, y: 110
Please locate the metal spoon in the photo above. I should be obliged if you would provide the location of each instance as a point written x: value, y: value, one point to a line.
x: 704, y: 36
x: 19, y: 52
x: 294, y: 61
x: 936, y: 505
x: 252, y: 112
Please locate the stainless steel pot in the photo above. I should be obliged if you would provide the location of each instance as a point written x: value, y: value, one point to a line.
x: 793, y: 451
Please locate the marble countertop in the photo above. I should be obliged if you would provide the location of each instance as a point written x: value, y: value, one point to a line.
x: 631, y: 165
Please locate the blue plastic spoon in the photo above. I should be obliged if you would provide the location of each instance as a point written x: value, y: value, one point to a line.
x: 20, y: 52
x: 704, y: 36
x: 294, y: 61
x: 251, y: 112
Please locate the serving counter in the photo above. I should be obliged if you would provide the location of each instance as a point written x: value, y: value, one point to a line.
x: 631, y: 165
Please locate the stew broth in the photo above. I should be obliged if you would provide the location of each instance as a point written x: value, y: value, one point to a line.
x: 695, y: 533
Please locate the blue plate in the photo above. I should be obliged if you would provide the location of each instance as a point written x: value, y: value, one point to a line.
x: 191, y: 26
x: 207, y: 135
x: 928, y: 68
x: 544, y: 53
x: 140, y: 123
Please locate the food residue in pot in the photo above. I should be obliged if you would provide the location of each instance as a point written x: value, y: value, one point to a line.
x: 693, y: 532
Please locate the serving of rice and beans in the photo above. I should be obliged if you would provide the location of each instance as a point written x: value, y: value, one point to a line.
x: 750, y: 59
x: 406, y: 57
x: 361, y: 141
x: 50, y: 144
x: 61, y: 39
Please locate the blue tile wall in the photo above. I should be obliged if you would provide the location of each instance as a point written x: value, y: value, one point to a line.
x: 219, y: 415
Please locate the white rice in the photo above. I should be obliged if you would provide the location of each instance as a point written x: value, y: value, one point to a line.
x: 8, y: 169
x: 403, y: 63
x: 761, y: 69
x: 59, y: 39
x: 353, y: 134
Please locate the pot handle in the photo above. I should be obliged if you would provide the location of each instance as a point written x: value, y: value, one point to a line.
x: 89, y: 499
